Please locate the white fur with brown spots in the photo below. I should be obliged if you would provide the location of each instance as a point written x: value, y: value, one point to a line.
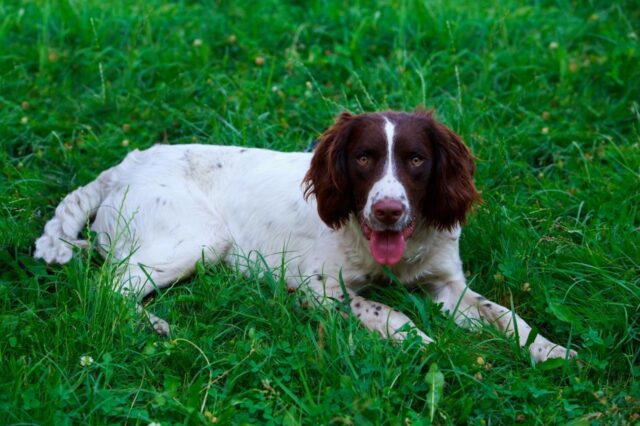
x: 387, y: 188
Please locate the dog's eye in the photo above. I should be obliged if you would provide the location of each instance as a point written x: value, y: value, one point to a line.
x: 363, y: 160
x: 416, y: 161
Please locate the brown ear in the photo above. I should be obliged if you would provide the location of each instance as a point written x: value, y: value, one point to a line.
x: 451, y: 190
x: 327, y: 177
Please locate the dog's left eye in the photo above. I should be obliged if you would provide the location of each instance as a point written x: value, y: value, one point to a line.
x: 363, y: 159
x: 416, y: 161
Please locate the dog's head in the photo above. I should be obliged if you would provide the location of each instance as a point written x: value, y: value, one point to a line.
x: 388, y: 168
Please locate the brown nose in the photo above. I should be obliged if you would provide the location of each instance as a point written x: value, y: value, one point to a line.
x: 388, y: 211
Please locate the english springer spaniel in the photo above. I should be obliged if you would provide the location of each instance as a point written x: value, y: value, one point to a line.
x: 382, y: 192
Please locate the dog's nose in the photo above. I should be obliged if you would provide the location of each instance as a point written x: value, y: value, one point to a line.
x: 388, y: 211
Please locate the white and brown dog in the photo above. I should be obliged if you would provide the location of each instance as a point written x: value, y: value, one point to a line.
x: 381, y: 190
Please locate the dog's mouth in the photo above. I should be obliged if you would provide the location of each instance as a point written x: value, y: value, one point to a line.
x: 387, y: 246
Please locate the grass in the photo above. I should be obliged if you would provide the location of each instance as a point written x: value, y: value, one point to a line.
x: 546, y: 94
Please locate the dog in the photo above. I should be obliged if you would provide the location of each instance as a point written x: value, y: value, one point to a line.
x: 382, y: 192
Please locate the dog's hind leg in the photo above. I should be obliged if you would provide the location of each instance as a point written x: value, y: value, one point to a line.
x: 139, y: 281
x: 153, y: 269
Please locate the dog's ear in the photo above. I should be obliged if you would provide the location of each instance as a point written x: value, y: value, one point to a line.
x: 328, y: 177
x: 451, y: 190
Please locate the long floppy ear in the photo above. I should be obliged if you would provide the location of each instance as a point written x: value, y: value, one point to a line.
x: 451, y: 191
x: 327, y: 177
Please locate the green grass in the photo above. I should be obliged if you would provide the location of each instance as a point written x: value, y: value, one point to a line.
x: 545, y: 93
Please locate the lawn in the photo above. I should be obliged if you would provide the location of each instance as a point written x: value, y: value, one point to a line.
x: 546, y: 94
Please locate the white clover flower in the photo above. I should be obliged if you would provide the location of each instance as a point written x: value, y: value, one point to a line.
x: 154, y: 424
x: 85, y: 361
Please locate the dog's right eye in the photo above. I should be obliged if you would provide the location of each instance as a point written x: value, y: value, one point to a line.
x: 363, y: 160
x: 416, y: 161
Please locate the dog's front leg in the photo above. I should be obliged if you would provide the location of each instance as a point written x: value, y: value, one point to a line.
x: 377, y: 317
x: 469, y: 307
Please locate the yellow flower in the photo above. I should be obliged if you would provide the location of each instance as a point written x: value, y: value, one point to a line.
x: 209, y: 415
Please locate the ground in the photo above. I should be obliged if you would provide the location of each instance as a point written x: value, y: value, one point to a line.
x: 546, y: 95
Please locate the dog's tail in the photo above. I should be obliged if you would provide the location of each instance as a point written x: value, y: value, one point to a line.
x: 61, y: 232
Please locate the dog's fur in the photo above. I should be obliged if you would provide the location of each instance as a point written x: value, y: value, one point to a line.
x: 380, y: 189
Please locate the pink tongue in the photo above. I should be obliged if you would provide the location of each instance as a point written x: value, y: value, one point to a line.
x: 386, y: 247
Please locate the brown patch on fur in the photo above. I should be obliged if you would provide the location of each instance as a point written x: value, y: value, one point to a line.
x: 327, y: 175
x: 451, y: 191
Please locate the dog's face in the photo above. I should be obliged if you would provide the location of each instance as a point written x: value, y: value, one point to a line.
x: 388, y: 168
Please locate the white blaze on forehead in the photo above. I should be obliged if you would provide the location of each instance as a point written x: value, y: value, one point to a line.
x: 388, y: 186
x: 389, y: 130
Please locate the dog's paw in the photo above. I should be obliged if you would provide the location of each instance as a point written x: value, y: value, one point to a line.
x: 162, y: 328
x: 399, y: 336
x: 425, y: 339
x: 542, y: 350
x: 159, y: 325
